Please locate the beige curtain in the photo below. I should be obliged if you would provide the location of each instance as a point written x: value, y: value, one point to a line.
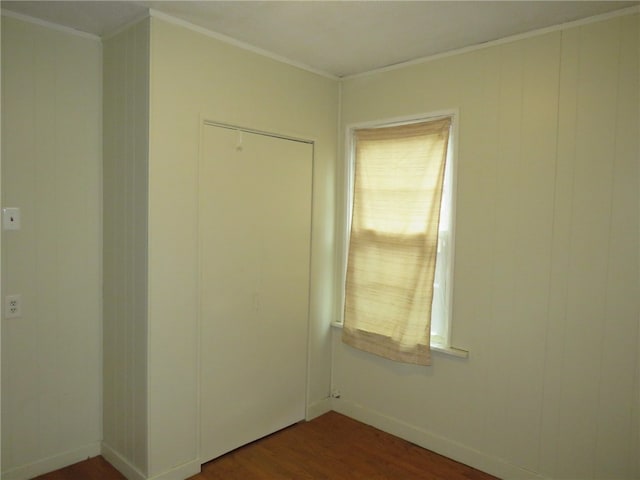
x: 399, y: 172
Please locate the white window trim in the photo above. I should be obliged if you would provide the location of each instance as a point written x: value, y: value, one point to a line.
x: 344, y: 215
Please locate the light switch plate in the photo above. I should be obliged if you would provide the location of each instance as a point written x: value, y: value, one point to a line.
x: 11, y: 218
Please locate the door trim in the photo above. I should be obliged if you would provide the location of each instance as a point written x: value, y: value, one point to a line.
x: 205, y: 120
x: 229, y: 126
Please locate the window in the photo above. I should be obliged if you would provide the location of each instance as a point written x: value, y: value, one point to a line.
x: 398, y: 255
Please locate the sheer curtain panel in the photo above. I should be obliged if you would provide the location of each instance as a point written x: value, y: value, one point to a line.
x: 398, y: 177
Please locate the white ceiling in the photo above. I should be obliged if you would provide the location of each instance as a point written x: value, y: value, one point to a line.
x: 335, y: 37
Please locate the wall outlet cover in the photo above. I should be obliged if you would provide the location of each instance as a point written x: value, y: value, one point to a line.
x: 11, y: 218
x: 13, y: 306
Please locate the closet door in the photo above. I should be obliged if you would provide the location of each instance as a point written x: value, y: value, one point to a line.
x: 255, y: 226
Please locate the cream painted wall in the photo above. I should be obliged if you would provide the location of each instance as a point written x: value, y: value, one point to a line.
x: 1, y: 250
x: 151, y: 222
x: 193, y: 75
x: 51, y: 153
x: 549, y: 385
x: 546, y: 272
x: 125, y: 206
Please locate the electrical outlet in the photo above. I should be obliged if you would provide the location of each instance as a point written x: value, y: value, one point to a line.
x: 12, y: 306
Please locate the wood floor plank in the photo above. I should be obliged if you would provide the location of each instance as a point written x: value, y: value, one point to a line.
x: 330, y: 447
x: 335, y: 447
x: 96, y: 468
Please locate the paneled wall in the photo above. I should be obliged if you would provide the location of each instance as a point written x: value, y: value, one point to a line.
x: 547, y: 257
x: 125, y: 192
x: 546, y: 271
x: 51, y: 169
x: 195, y: 76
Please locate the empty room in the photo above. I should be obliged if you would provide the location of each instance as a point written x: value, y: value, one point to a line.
x: 315, y: 240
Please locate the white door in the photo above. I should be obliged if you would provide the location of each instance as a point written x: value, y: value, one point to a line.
x: 255, y: 226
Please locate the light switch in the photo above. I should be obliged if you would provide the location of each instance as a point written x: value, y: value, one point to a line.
x: 11, y: 218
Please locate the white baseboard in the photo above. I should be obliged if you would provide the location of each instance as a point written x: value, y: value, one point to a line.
x: 55, y: 462
x: 434, y: 442
x: 121, y: 464
x: 180, y: 472
x: 132, y: 473
x: 318, y: 408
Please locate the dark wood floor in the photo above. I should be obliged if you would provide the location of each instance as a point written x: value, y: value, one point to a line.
x: 330, y: 447
x: 95, y: 468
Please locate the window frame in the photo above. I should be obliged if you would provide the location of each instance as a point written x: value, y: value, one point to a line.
x: 345, y: 206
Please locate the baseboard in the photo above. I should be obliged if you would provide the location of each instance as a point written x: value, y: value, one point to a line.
x: 121, y: 464
x: 132, y: 473
x: 55, y: 462
x: 318, y: 408
x: 434, y: 442
x: 180, y: 472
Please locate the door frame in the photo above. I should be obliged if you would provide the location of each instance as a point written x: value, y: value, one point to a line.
x: 207, y: 121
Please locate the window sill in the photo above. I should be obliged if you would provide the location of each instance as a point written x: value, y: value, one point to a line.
x: 451, y: 351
